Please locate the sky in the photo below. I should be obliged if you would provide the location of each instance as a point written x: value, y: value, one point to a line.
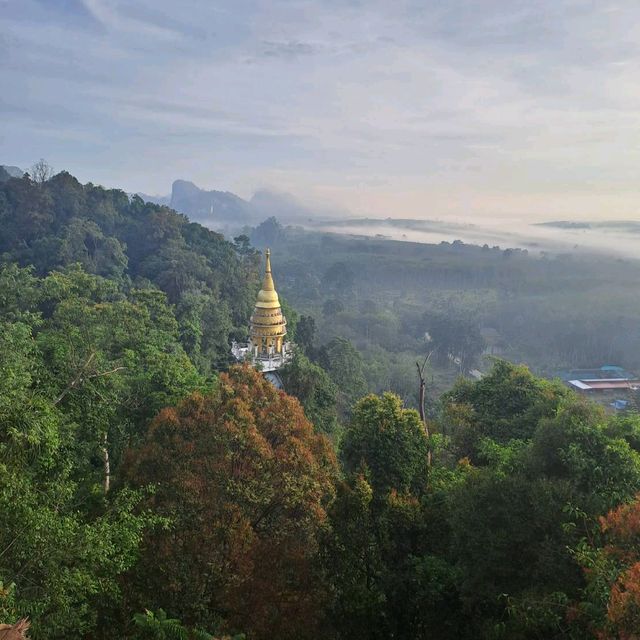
x: 452, y: 109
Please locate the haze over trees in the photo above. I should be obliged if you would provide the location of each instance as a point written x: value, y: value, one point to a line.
x: 150, y: 489
x: 398, y: 301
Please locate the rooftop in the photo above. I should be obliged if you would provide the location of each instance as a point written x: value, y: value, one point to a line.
x: 604, y: 385
x: 606, y: 372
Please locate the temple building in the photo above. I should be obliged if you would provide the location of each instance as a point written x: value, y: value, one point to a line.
x: 267, y: 346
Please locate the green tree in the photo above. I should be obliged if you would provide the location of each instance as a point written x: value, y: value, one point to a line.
x: 378, y: 552
x: 312, y: 385
x: 505, y: 404
x: 305, y: 334
x: 389, y: 441
x: 344, y: 364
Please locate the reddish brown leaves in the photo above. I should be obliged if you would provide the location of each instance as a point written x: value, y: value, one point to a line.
x: 246, y: 481
x: 622, y: 528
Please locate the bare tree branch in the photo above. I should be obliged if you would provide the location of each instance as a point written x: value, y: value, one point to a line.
x: 84, y: 375
x: 77, y: 380
x: 106, y: 464
x: 421, y: 399
x: 41, y: 171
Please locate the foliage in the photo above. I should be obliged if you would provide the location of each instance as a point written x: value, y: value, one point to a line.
x: 314, y: 388
x: 136, y: 477
x: 533, y: 500
x: 59, y: 222
x: 506, y: 404
x: 613, y: 574
x: 344, y: 364
x: 378, y: 523
x: 305, y: 334
x: 388, y: 442
x: 245, y: 482
x: 158, y: 626
x: 84, y: 368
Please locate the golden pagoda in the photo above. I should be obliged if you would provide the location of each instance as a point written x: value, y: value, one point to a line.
x: 268, y: 326
x: 267, y: 329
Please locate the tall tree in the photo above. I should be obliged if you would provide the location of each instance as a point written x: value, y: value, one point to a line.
x: 245, y: 482
x: 305, y: 334
x: 505, y: 404
x: 377, y: 522
x: 344, y: 364
x: 314, y: 388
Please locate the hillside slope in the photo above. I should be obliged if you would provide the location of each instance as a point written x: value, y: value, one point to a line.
x: 62, y: 222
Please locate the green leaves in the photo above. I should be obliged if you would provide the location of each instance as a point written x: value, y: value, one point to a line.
x: 83, y: 369
x: 389, y: 441
x: 314, y: 388
x: 63, y: 225
x: 64, y: 563
x: 158, y: 626
x: 506, y: 404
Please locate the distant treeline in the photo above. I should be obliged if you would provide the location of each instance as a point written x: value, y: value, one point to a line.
x: 550, y: 311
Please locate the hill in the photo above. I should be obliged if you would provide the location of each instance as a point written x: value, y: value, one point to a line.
x: 8, y: 171
x: 212, y: 207
x: 226, y: 211
x: 61, y: 222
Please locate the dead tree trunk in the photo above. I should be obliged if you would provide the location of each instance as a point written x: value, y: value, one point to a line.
x: 421, y: 401
x: 106, y: 482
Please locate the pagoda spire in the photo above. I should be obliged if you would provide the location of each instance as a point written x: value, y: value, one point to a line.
x: 267, y: 282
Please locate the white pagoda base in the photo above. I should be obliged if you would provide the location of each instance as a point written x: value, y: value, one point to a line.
x: 246, y: 352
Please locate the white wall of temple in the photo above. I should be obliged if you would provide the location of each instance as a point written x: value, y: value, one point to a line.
x: 269, y: 361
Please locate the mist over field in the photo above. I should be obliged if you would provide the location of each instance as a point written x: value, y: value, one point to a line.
x: 612, y: 238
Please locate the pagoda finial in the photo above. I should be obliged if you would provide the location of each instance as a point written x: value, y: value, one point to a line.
x: 267, y: 282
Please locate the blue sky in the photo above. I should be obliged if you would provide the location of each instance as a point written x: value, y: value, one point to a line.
x: 465, y: 109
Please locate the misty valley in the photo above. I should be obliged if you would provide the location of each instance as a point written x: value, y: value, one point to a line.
x: 354, y: 437
x: 319, y: 320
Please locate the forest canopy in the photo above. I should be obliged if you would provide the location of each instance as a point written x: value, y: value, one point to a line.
x: 150, y: 489
x: 60, y: 222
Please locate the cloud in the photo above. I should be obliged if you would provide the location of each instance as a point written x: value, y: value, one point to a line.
x: 288, y: 50
x: 382, y: 106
